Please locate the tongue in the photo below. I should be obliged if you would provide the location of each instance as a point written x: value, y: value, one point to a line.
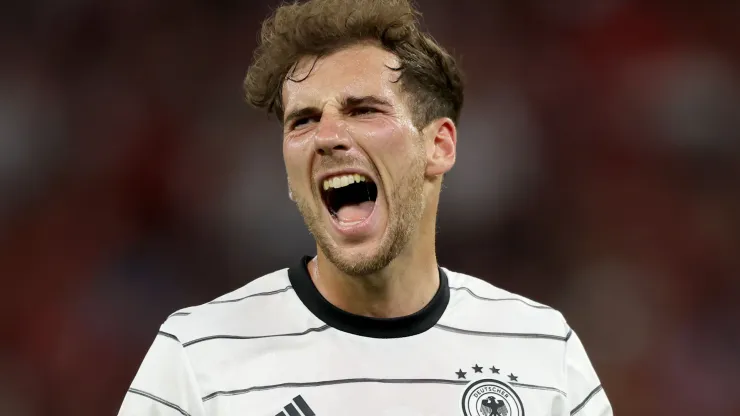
x: 355, y: 212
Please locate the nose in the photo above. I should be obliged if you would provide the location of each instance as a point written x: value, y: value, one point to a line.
x: 331, y: 136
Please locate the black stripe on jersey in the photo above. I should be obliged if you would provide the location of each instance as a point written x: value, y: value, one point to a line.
x: 535, y: 387
x: 240, y: 337
x: 567, y: 336
x: 586, y: 400
x: 334, y: 382
x: 273, y: 292
x: 499, y: 299
x: 159, y: 400
x: 501, y: 334
x: 168, y: 335
x: 292, y: 411
x: 305, y: 408
x: 179, y: 314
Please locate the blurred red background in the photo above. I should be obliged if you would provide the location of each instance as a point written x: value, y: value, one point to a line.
x: 598, y: 172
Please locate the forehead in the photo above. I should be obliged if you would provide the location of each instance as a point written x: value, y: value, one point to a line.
x: 359, y: 70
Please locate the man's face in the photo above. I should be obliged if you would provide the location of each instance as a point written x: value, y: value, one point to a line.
x: 355, y: 162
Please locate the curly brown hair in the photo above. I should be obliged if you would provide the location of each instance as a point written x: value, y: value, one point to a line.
x: 316, y: 28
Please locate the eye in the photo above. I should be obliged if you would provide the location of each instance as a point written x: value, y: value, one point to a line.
x: 359, y: 111
x: 304, y: 121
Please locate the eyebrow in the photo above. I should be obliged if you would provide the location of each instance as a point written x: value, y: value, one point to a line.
x: 352, y: 101
x: 349, y: 101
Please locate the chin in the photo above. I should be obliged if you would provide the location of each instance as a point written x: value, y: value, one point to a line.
x: 355, y: 262
x: 364, y: 258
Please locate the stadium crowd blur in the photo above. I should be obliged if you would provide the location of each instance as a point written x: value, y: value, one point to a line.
x: 598, y: 172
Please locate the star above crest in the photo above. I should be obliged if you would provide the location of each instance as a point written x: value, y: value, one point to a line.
x: 462, y: 375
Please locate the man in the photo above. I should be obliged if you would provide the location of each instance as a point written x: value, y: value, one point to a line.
x: 371, y: 325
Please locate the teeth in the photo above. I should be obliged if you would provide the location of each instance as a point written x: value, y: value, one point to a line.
x: 342, y: 181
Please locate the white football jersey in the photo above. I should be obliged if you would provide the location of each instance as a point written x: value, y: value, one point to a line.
x: 276, y: 347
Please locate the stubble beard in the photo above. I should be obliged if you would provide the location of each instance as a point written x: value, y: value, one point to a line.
x: 406, y: 208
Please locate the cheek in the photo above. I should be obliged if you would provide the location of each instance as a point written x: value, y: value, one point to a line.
x: 390, y: 142
x: 384, y: 134
x: 296, y: 158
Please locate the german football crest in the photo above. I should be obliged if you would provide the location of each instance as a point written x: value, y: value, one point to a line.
x: 489, y: 396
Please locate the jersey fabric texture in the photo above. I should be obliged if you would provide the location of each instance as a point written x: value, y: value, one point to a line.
x: 276, y: 347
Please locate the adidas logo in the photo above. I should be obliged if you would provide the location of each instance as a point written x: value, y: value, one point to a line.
x: 291, y: 410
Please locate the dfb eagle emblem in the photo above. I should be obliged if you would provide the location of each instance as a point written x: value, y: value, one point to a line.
x: 493, y: 407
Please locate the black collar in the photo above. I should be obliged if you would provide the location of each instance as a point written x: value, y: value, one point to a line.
x: 404, y: 326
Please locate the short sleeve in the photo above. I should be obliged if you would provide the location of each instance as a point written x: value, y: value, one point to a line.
x: 165, y: 384
x: 586, y: 396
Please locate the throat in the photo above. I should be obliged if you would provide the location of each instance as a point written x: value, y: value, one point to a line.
x: 376, y: 296
x: 353, y: 213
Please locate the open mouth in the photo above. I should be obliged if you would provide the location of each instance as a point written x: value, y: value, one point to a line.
x: 349, y: 198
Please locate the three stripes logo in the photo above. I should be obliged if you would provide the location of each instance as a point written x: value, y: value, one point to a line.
x: 291, y: 410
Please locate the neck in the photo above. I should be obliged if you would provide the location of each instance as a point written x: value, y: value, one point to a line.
x: 402, y: 288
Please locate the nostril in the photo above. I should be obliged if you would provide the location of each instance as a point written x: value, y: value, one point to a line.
x: 327, y: 150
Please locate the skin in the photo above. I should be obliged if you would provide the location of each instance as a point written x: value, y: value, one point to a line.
x: 349, y: 113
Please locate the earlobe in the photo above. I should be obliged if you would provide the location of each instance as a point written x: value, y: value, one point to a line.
x: 442, y: 149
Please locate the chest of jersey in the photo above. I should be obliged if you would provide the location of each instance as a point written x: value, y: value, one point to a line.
x: 331, y: 373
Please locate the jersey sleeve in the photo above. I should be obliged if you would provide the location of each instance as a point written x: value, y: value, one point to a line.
x: 586, y: 396
x: 165, y: 384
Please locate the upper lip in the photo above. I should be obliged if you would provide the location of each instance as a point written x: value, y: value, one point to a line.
x: 340, y: 172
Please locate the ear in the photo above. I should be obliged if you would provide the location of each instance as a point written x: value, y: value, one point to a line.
x: 442, y: 148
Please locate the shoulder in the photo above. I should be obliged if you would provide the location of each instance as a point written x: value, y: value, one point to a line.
x: 232, y: 312
x: 475, y: 300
